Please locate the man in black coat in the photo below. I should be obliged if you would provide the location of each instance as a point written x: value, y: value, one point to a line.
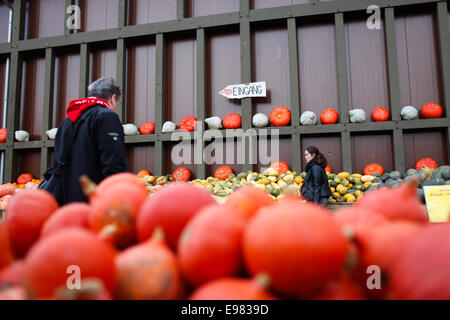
x: 98, y: 149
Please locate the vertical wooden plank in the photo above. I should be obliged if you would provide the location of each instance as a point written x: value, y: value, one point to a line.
x: 444, y: 53
x: 341, y: 56
x: 346, y: 151
x: 181, y: 9
x: 201, y: 103
x: 123, y: 13
x: 48, y: 104
x: 121, y: 76
x: 294, y: 89
x: 84, y: 69
x: 392, y: 64
x: 399, y: 155
x: 159, y: 101
x: 246, y: 74
x: 18, y: 20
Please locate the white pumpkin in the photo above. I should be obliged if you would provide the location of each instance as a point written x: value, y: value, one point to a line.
x: 308, y: 118
x: 22, y: 136
x: 168, y: 126
x: 214, y: 123
x: 130, y: 129
x: 357, y: 115
x: 409, y: 113
x: 52, y: 133
x: 260, y: 120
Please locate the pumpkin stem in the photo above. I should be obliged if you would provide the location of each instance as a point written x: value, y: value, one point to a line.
x: 412, y: 183
x: 108, y: 231
x: 263, y: 280
x: 87, y: 185
x: 158, y: 233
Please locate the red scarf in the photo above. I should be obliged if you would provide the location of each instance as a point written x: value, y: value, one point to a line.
x: 77, y: 107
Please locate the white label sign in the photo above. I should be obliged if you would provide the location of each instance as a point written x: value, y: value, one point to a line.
x: 245, y: 90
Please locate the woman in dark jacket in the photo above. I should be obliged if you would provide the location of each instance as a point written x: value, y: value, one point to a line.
x: 315, y: 185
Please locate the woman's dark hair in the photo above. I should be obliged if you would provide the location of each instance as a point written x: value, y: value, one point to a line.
x: 321, y: 160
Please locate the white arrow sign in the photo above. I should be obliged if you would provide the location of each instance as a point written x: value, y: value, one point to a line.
x: 245, y: 90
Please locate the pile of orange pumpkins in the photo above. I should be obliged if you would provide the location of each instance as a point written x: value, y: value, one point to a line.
x: 181, y: 244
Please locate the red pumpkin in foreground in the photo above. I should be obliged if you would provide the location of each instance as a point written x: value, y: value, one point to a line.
x: 171, y: 208
x: 113, y: 213
x: 234, y: 289
x: 223, y: 172
x: 431, y: 110
x: 248, y: 200
x: 26, y: 213
x: 426, y: 163
x: 343, y: 288
x: 232, y: 121
x: 380, y: 114
x: 280, y: 116
x: 75, y: 214
x: 280, y: 166
x: 12, y: 275
x: 422, y: 270
x: 181, y: 174
x: 329, y: 116
x: 278, y: 241
x: 5, y: 252
x: 149, y: 271
x: 402, y: 201
x: 54, y: 259
x: 210, y: 245
x: 373, y: 168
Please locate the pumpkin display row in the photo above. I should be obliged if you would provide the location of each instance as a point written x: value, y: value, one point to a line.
x: 180, y: 244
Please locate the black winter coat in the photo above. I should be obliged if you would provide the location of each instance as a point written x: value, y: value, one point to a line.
x: 315, y: 185
x: 98, y: 150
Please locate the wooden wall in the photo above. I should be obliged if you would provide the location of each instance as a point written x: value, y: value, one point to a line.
x: 418, y: 62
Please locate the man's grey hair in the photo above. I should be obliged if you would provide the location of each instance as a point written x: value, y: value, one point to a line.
x: 104, y: 88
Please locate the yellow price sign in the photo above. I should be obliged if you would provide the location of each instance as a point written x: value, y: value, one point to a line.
x: 438, y: 202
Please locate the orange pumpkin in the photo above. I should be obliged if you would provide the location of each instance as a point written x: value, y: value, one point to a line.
x: 143, y: 173
x: 329, y: 116
x: 182, y: 174
x: 75, y: 214
x: 12, y: 275
x: 280, y: 116
x: 210, y: 245
x: 223, y: 172
x: 147, y: 128
x: 71, y: 247
x: 278, y: 241
x: 188, y: 123
x: 380, y: 114
x: 431, y: 110
x: 24, y: 178
x: 3, y: 132
x: 426, y: 163
x: 25, y: 228
x: 171, y: 208
x: 149, y: 271
x: 234, y: 289
x: 328, y: 169
x: 373, y: 168
x: 113, y: 213
x: 343, y: 288
x: 232, y: 121
x: 247, y: 200
x: 280, y: 166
